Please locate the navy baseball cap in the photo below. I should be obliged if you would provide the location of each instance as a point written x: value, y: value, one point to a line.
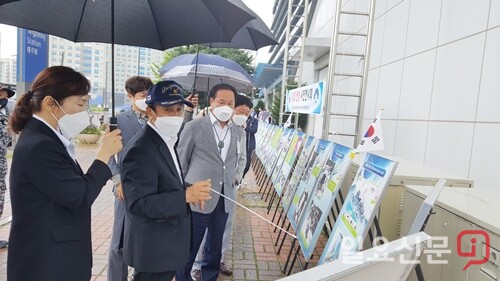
x: 166, y: 93
x: 9, y: 91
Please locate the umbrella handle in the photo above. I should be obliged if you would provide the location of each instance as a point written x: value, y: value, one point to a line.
x: 113, y: 123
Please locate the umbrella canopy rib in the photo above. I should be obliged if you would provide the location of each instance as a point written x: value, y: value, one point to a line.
x: 80, y: 21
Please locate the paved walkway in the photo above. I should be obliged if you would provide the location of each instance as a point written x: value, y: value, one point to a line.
x: 253, y: 254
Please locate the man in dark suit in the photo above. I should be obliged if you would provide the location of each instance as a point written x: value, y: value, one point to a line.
x: 130, y: 123
x: 250, y: 129
x: 157, y: 232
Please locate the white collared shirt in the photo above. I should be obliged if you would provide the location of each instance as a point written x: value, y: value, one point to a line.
x: 70, y: 147
x: 170, y: 142
x: 220, y: 134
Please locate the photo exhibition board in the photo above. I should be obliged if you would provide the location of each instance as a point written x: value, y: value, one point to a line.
x: 291, y: 186
x: 283, y: 147
x: 271, y: 150
x: 309, y: 178
x: 359, y: 208
x: 263, y: 138
x: 323, y: 197
x: 284, y: 173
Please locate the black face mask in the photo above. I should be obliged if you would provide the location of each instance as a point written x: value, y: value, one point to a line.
x: 3, y: 102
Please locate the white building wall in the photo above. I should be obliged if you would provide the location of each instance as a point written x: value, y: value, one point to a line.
x: 434, y: 69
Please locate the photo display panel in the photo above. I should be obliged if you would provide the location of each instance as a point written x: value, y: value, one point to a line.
x: 360, y: 206
x: 323, y: 197
x: 283, y: 173
x: 291, y: 187
x: 309, y: 178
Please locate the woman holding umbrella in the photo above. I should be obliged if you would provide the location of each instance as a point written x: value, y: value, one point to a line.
x: 50, y: 194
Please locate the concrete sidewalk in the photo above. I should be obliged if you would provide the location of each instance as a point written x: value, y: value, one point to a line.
x: 253, y: 254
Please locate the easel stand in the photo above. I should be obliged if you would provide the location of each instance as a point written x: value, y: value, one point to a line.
x: 302, y: 267
x: 283, y: 214
x: 306, y: 265
x: 418, y: 267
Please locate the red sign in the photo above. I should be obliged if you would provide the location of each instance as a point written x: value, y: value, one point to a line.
x: 473, y: 253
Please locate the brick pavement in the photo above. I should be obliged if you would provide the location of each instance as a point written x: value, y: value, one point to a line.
x: 252, y: 255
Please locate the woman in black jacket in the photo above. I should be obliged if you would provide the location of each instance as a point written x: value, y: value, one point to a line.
x: 50, y: 194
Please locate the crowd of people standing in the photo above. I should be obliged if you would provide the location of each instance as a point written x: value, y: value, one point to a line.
x: 172, y: 175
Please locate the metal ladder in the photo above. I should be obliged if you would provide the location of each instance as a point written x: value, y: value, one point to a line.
x: 353, y: 118
x: 296, y: 29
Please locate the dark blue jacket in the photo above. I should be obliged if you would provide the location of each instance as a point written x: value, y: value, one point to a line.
x: 251, y: 129
x: 51, y: 199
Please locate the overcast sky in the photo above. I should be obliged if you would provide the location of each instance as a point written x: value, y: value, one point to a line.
x: 262, y: 7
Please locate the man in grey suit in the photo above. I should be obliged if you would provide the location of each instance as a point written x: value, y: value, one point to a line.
x: 241, y: 110
x: 209, y: 147
x: 130, y: 123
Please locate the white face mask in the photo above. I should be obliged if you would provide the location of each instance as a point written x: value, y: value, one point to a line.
x: 72, y: 124
x: 239, y: 120
x: 223, y: 113
x: 169, y: 125
x: 141, y: 104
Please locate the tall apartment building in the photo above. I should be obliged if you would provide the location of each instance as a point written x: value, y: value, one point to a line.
x: 94, y: 61
x: 8, y: 69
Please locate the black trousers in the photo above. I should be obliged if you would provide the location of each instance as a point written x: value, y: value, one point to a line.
x: 157, y: 276
x: 249, y: 160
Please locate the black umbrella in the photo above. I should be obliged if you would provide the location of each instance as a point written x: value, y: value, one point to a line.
x: 201, y: 69
x: 157, y: 24
x: 252, y: 36
x: 6, y: 1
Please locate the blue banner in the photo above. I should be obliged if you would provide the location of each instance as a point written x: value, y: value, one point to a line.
x: 33, y: 57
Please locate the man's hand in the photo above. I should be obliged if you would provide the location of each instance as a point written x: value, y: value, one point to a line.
x: 194, y: 100
x: 119, y: 192
x: 199, y: 192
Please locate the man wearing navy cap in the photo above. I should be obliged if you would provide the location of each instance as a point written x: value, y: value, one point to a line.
x: 157, y: 232
x: 5, y: 139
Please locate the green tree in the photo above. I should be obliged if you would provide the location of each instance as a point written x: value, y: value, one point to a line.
x: 260, y: 104
x: 242, y: 57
